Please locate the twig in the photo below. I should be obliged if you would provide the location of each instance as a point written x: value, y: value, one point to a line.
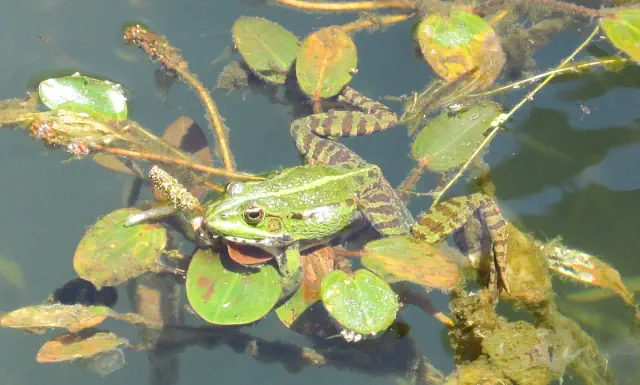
x: 501, y: 119
x: 158, y: 48
x: 353, y: 6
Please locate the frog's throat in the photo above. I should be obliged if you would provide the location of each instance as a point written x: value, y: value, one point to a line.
x: 270, y: 244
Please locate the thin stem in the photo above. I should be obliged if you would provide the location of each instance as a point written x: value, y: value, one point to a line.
x: 376, y: 22
x: 557, y: 71
x: 354, y: 6
x: 158, y: 48
x: 175, y: 161
x: 500, y: 120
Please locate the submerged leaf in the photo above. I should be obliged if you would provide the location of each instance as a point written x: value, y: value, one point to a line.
x: 364, y: 304
x: 99, y: 99
x: 69, y: 347
x: 326, y: 63
x: 401, y: 258
x: 267, y: 48
x: 11, y: 272
x: 111, y: 253
x: 450, y: 139
x: 225, y: 297
x: 623, y: 31
x: 460, y: 43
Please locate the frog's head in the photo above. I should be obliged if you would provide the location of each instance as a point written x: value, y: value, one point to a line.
x: 239, y: 217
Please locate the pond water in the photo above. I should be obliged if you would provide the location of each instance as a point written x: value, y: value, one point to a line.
x: 566, y: 166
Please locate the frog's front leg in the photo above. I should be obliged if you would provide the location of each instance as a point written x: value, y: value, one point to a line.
x: 446, y: 217
x: 288, y: 260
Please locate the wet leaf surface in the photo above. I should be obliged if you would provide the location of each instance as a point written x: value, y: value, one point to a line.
x: 364, y: 303
x: 401, y: 258
x: 111, y: 253
x: 450, y: 139
x: 99, y: 99
x: 225, y: 297
x: 326, y: 63
x: 39, y: 318
x: 623, y: 31
x: 88, y: 343
x: 459, y: 43
x: 267, y: 48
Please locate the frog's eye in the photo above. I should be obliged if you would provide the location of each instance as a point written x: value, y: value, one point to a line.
x: 234, y: 188
x: 253, y: 214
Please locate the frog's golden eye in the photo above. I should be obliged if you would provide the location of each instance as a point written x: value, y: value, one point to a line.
x: 253, y: 214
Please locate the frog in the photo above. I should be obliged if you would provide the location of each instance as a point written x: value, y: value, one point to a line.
x: 336, y: 191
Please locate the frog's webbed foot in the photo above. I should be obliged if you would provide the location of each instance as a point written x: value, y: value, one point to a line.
x: 446, y: 217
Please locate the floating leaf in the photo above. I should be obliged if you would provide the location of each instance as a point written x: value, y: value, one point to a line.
x: 450, y: 139
x: 623, y: 31
x: 226, y: 297
x: 326, y: 63
x: 461, y: 43
x: 111, y: 253
x: 315, y: 266
x: 401, y: 258
x: 69, y: 347
x: 267, y: 48
x: 364, y: 304
x: 41, y: 317
x: 99, y: 99
x: 11, y: 272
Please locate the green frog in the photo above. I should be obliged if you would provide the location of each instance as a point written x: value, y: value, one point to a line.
x: 300, y: 207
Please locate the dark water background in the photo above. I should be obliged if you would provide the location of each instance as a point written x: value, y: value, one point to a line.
x: 558, y: 171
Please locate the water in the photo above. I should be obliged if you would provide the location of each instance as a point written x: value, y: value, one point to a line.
x: 558, y: 170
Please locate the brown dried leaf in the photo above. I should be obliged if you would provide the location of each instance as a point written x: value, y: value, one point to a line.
x: 69, y: 347
x: 41, y: 317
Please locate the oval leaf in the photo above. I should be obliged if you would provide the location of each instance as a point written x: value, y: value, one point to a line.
x: 460, y: 43
x: 224, y: 297
x: 268, y: 49
x: 623, y: 31
x: 69, y: 347
x: 326, y: 63
x: 71, y: 317
x: 111, y: 253
x: 99, y: 99
x: 364, y: 304
x: 401, y: 258
x: 450, y: 139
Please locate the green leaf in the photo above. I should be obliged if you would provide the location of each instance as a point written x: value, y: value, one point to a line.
x: 111, y: 253
x: 401, y: 258
x: 289, y: 311
x: 326, y: 63
x: 364, y: 304
x: 459, y: 43
x: 623, y: 31
x: 100, y: 99
x: 225, y: 297
x: 450, y: 139
x: 267, y: 48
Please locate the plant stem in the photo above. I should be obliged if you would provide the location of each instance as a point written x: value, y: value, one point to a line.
x: 158, y: 48
x: 354, y: 6
x: 376, y: 22
x: 504, y: 117
x: 175, y: 161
